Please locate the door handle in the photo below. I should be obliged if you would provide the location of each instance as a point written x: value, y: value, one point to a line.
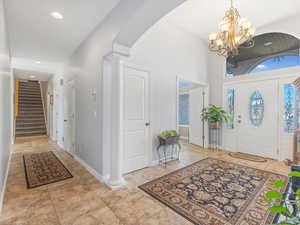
x: 65, y: 120
x: 147, y: 124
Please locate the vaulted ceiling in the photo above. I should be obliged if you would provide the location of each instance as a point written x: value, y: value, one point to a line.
x: 35, y: 34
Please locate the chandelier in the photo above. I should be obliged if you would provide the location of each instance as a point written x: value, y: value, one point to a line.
x: 233, y: 32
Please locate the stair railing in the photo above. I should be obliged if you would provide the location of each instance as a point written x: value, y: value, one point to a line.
x: 44, y: 108
x: 17, y: 108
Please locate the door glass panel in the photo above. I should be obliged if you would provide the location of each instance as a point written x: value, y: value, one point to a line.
x: 289, y: 108
x: 256, y: 109
x: 230, y: 106
x: 184, y: 109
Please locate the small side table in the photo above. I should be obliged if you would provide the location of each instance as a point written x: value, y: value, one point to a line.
x: 169, y: 147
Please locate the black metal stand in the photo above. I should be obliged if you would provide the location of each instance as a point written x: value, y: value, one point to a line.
x: 168, y: 150
x: 215, y: 138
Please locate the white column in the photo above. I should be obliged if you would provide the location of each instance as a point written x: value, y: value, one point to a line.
x: 116, y: 180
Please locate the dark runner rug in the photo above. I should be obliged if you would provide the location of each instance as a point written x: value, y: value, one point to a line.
x: 44, y: 168
x: 253, y: 158
x: 215, y: 192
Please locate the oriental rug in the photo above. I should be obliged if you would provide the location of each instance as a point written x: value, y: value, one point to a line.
x: 216, y: 192
x: 44, y: 168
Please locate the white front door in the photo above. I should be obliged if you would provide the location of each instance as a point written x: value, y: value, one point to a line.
x: 195, y: 109
x: 69, y: 117
x: 260, y: 139
x: 136, y: 119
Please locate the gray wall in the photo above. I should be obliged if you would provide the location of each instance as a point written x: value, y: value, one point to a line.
x: 216, y: 74
x: 5, y: 99
x: 85, y: 65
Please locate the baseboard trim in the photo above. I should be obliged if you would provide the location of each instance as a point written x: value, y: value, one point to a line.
x: 101, y: 178
x: 4, y: 184
x: 89, y: 168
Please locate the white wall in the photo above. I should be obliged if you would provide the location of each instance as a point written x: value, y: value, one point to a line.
x: 168, y: 52
x: 5, y: 101
x: 216, y: 74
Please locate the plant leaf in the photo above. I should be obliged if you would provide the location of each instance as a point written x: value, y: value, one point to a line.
x: 278, y: 184
x: 273, y: 194
x: 280, y: 210
x: 294, y: 174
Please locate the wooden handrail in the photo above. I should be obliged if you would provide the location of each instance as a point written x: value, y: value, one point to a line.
x: 17, y: 97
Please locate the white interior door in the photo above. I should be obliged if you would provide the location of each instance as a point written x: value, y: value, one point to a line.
x: 69, y: 117
x: 195, y: 109
x: 259, y: 140
x: 136, y: 119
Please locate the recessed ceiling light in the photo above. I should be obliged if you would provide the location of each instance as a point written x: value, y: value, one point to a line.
x: 57, y: 15
x: 38, y: 62
x: 31, y: 77
x: 269, y: 43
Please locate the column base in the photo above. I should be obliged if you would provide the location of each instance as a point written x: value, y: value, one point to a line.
x: 115, y: 184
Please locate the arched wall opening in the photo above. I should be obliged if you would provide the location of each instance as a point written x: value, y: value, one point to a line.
x: 271, y: 51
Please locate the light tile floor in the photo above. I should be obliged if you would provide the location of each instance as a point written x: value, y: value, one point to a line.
x: 83, y: 200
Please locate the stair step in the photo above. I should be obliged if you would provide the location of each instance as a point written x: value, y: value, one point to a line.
x: 29, y: 94
x: 29, y: 84
x: 30, y: 121
x: 31, y: 107
x: 29, y: 89
x: 31, y: 133
x: 27, y: 128
x: 30, y: 103
x: 30, y: 117
x: 31, y: 112
x: 30, y: 124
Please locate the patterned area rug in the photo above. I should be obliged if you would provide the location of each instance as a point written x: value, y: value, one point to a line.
x: 44, y: 168
x: 253, y: 158
x: 215, y: 192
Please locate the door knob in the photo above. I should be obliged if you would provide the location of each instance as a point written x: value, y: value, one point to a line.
x: 147, y: 124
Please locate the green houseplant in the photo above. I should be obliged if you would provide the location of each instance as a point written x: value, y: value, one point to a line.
x: 215, y: 116
x: 169, y: 137
x: 281, y: 204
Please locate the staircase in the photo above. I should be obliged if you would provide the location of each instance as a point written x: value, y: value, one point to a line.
x: 30, y: 120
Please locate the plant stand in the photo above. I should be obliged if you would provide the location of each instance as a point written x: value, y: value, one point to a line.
x: 215, y: 138
x: 168, y: 149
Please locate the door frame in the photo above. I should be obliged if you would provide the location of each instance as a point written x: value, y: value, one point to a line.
x: 203, y: 85
x: 70, y: 86
x: 278, y: 75
x: 149, y: 134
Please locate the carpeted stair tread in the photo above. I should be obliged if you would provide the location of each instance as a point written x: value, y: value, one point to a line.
x: 31, y: 120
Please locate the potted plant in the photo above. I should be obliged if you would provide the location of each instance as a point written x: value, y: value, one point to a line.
x: 286, y: 206
x: 215, y: 116
x: 169, y: 137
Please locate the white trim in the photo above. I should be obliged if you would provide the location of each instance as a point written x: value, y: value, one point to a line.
x: 261, y: 76
x: 184, y: 126
x: 98, y: 176
x: 3, y: 191
x: 184, y: 138
x: 203, y: 85
x: 121, y: 49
